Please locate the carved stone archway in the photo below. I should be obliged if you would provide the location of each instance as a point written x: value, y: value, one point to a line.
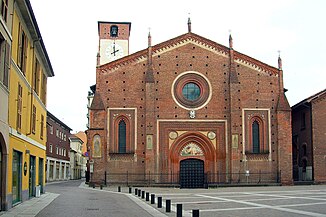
x: 202, y: 147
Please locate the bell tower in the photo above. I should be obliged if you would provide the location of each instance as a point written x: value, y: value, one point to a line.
x: 113, y: 41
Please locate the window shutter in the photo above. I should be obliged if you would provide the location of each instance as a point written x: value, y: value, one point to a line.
x: 6, y: 65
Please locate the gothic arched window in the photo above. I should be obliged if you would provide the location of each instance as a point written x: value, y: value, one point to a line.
x: 255, y: 137
x: 122, y: 144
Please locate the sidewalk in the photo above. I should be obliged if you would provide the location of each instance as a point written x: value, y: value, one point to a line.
x: 32, y: 207
x: 149, y: 208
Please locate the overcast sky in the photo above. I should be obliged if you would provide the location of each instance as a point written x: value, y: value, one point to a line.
x: 259, y: 29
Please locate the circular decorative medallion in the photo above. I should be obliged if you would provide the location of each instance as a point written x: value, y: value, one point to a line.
x: 211, y: 135
x: 173, y: 135
x: 191, y: 90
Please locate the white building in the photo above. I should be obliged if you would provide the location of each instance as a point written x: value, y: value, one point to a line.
x: 76, y: 157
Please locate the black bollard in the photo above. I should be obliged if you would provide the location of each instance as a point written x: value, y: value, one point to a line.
x: 142, y: 194
x: 159, y: 202
x: 168, y: 206
x: 130, y: 190
x: 195, y: 213
x: 152, y: 198
x: 93, y: 185
x: 147, y: 196
x: 119, y: 189
x: 179, y: 210
x: 136, y: 191
x: 139, y: 192
x: 101, y: 187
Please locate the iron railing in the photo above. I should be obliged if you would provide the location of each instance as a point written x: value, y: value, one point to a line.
x: 173, y: 179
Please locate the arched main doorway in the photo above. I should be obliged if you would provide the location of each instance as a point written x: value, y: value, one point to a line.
x: 192, y: 155
x: 192, y: 173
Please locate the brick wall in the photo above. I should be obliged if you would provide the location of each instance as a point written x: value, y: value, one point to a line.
x: 319, y: 138
x: 122, y: 84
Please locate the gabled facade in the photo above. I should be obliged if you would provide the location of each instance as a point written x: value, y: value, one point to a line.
x: 190, y: 104
x: 57, y: 149
x: 30, y: 67
x: 308, y: 137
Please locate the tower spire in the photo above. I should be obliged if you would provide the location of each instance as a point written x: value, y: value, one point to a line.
x: 189, y: 24
x: 230, y: 40
x: 279, y: 61
x: 149, y: 77
x: 149, y: 37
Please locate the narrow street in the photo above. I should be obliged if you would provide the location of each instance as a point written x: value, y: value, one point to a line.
x: 76, y: 201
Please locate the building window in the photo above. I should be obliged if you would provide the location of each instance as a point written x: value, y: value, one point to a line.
x: 255, y: 137
x: 22, y: 50
x: 33, y: 119
x: 50, y: 149
x: 114, y: 31
x: 43, y: 89
x: 191, y: 91
x: 304, y: 149
x: 42, y: 126
x: 122, y: 137
x: 64, y: 137
x: 4, y: 9
x: 37, y: 69
x: 56, y: 150
x: 19, y: 107
x: 4, y: 61
x: 257, y: 142
x: 304, y: 165
x: 51, y: 129
x: 64, y: 152
x: 303, y: 121
x: 57, y: 133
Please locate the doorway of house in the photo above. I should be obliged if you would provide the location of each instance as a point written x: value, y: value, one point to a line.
x: 16, y: 176
x: 192, y: 173
x: 32, y: 176
x: 40, y: 173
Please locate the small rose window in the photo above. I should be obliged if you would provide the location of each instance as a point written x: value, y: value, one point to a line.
x: 191, y: 90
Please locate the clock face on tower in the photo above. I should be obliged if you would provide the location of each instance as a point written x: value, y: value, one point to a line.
x: 114, y: 51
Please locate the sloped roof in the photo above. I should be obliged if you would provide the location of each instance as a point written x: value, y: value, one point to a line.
x: 74, y: 138
x: 190, y: 38
x: 50, y: 115
x: 310, y: 99
x: 97, y: 103
x: 27, y: 13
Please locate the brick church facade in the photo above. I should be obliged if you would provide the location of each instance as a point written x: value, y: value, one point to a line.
x: 186, y: 109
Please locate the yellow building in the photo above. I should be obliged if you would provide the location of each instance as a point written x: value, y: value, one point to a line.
x: 30, y: 68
